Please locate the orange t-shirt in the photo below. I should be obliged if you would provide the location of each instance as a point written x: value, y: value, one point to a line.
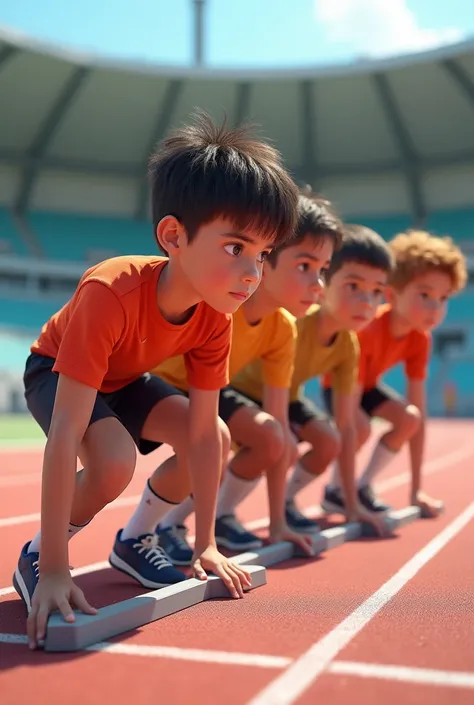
x: 112, y: 331
x: 380, y: 351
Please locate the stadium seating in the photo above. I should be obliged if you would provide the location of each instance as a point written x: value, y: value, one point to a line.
x: 27, y: 314
x: 78, y: 237
x: 86, y: 238
x: 10, y: 240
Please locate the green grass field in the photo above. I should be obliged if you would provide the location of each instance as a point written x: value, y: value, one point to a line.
x: 16, y: 428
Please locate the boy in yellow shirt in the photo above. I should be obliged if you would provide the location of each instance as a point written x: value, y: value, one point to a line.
x: 327, y: 341
x: 264, y: 331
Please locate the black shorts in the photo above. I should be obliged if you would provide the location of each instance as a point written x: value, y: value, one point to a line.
x: 131, y: 405
x: 370, y: 400
x: 300, y: 412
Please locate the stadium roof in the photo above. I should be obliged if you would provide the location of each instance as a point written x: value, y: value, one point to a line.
x: 383, y: 136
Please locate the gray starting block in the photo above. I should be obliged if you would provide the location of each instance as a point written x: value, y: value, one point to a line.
x: 325, y: 540
x: 133, y: 613
x: 395, y: 520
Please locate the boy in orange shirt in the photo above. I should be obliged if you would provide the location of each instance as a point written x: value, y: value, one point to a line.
x: 261, y: 331
x: 220, y: 201
x: 428, y: 271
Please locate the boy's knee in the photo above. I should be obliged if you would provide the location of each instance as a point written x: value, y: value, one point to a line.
x: 270, y: 439
x: 112, y: 471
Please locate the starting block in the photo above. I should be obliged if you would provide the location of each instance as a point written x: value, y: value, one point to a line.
x: 325, y: 540
x: 133, y: 613
x: 395, y: 520
x: 140, y: 610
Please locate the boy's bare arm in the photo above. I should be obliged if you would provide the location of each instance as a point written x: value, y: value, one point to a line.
x: 344, y: 407
x: 275, y: 403
x: 205, y: 461
x: 416, y: 394
x: 430, y: 507
x: 55, y: 590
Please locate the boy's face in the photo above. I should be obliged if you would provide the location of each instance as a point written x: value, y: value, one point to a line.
x: 295, y: 281
x: 353, y: 294
x: 423, y: 301
x: 222, y: 265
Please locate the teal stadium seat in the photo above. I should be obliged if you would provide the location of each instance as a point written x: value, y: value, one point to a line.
x: 74, y: 237
x: 10, y: 241
x: 28, y: 314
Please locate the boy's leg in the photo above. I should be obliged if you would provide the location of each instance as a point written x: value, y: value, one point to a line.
x: 155, y: 413
x: 263, y: 442
x: 405, y: 419
x: 333, y: 501
x: 311, y: 425
x: 107, y: 452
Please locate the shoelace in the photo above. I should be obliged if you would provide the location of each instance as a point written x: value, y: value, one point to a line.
x: 36, y: 567
x: 153, y: 553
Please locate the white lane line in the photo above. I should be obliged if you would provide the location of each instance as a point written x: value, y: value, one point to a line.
x: 404, y: 674
x: 288, y: 687
x: 430, y: 467
x: 173, y: 652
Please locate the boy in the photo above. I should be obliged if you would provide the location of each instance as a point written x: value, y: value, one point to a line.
x: 291, y: 278
x: 428, y: 271
x: 220, y: 201
x: 355, y: 283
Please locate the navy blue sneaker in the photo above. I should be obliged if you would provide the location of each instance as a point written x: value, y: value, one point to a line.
x: 173, y: 542
x: 333, y: 500
x: 232, y: 535
x: 370, y: 501
x: 144, y: 560
x: 26, y: 576
x: 298, y: 522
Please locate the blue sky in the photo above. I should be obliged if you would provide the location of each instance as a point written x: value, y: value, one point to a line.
x: 246, y: 33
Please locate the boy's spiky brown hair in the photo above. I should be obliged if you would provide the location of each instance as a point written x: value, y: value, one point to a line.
x: 417, y: 252
x: 204, y: 171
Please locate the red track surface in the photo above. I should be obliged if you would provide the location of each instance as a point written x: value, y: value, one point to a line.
x: 428, y: 624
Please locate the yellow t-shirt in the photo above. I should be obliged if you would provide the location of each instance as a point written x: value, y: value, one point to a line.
x: 311, y: 360
x: 272, y: 340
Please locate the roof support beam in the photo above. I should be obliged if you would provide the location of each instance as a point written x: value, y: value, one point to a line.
x: 308, y: 119
x: 168, y: 106
x: 461, y: 78
x: 44, y: 136
x: 404, y: 143
x: 242, y: 103
x: 7, y: 53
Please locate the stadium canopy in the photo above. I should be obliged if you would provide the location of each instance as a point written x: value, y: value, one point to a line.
x: 382, y: 136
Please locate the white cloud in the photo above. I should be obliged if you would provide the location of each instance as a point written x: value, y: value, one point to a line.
x: 379, y: 27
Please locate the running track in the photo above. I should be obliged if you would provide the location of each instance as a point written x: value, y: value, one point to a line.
x: 372, y: 621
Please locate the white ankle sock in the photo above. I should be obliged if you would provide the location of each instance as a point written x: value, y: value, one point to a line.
x: 381, y: 457
x: 150, y: 511
x: 300, y: 479
x: 232, y: 492
x: 178, y: 515
x: 35, y: 544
